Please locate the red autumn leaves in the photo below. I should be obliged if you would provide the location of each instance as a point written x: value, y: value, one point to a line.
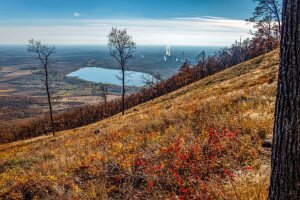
x: 188, y: 167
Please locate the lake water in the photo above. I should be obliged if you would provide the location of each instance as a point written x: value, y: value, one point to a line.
x: 109, y: 76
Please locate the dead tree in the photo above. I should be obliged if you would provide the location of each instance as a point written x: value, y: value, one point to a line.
x: 285, y: 175
x: 158, y: 79
x: 104, y: 93
x: 44, y: 54
x: 201, y: 58
x: 121, y: 48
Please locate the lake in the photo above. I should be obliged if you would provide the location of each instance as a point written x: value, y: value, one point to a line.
x: 108, y: 76
x: 148, y: 59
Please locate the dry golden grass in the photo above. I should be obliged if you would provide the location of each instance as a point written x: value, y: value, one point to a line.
x: 77, y: 163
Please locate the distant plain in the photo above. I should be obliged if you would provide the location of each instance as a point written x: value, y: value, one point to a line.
x: 21, y: 87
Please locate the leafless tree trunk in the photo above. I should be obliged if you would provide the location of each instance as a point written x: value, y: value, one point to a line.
x: 265, y: 12
x: 285, y: 176
x: 49, y: 99
x: 104, y: 93
x: 158, y: 79
x: 44, y: 56
x: 275, y: 9
x: 123, y: 88
x: 201, y: 58
x: 121, y: 48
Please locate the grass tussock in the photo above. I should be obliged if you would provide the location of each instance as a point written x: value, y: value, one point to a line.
x: 200, y: 142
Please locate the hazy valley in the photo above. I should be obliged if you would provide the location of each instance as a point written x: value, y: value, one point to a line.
x: 20, y: 87
x: 127, y: 100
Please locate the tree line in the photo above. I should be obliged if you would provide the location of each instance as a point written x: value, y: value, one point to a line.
x: 266, y: 19
x: 285, y: 178
x: 187, y: 74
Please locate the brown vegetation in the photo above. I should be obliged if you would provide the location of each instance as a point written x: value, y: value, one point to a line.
x: 89, y: 114
x: 215, y: 125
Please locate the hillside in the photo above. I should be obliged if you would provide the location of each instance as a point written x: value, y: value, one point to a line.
x: 202, y: 141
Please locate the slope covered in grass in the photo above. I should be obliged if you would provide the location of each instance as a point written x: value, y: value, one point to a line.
x: 202, y: 141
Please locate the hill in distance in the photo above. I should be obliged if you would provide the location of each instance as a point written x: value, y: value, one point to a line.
x: 202, y: 141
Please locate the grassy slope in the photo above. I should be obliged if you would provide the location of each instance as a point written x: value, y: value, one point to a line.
x: 240, y: 98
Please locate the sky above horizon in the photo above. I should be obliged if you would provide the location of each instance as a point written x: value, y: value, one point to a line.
x: 150, y: 22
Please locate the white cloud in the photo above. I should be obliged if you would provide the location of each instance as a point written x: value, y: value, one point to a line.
x: 76, y: 14
x: 200, y: 31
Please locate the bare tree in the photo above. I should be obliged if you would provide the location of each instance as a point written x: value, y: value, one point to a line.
x: 104, y: 93
x: 158, y: 79
x: 44, y: 54
x: 121, y: 48
x: 267, y: 15
x: 201, y: 58
x: 285, y: 175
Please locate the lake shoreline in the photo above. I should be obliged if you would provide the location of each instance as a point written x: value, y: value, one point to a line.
x: 109, y: 76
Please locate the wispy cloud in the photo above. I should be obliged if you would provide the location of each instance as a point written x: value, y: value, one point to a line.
x: 198, y: 31
x: 76, y: 14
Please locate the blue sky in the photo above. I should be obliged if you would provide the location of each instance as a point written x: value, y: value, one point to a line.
x: 20, y: 9
x: 85, y: 21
